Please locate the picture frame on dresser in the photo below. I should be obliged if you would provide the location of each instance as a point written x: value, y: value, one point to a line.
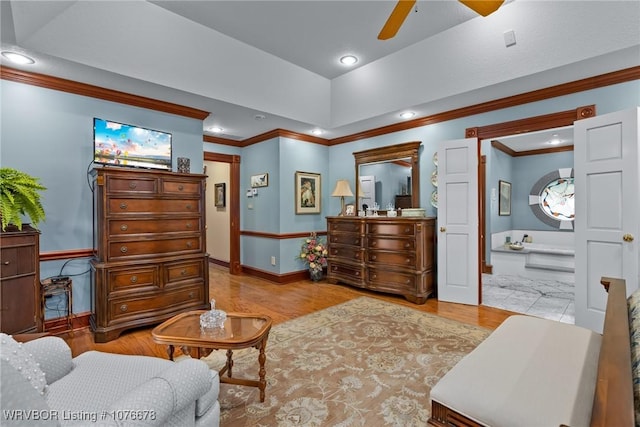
x: 350, y: 210
x: 308, y: 191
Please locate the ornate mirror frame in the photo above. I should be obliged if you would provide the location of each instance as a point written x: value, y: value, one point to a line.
x: 531, y: 124
x: 391, y: 153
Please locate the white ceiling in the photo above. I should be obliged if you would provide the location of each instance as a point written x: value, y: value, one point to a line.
x: 238, y: 59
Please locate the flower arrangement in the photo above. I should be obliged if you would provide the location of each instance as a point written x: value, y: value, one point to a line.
x: 314, y: 253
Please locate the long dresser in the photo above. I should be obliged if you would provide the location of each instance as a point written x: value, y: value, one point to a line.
x: 150, y: 258
x: 394, y: 255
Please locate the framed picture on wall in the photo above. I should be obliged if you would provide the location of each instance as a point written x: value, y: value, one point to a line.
x: 504, y: 201
x: 308, y: 191
x: 260, y: 180
x: 220, y: 190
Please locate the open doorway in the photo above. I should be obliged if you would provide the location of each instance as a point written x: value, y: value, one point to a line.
x: 544, y: 294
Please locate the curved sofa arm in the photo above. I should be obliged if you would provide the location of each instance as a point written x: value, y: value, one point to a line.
x: 54, y: 356
x: 169, y: 392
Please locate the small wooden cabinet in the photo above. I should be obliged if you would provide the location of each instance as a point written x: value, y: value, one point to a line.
x: 394, y: 255
x: 20, y: 280
x: 150, y: 257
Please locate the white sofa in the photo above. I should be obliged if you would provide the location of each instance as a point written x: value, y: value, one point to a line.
x: 43, y: 385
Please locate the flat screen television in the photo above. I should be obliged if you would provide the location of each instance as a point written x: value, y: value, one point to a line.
x: 131, y: 146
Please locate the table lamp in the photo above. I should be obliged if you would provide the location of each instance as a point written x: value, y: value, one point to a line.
x: 342, y: 189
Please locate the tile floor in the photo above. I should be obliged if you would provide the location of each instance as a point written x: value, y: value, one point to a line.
x: 550, y: 299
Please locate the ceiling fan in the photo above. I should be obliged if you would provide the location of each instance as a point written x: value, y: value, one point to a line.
x: 403, y: 7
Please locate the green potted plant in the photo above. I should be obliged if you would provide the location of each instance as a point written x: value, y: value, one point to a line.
x: 19, y: 195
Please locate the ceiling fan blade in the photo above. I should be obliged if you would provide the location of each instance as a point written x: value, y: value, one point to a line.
x: 397, y: 17
x: 482, y: 7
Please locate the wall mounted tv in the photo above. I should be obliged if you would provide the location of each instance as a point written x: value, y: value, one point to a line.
x: 133, y: 146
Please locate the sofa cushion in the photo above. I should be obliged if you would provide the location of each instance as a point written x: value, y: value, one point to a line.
x: 633, y: 305
x: 208, y: 400
x: 14, y: 353
x: 53, y: 356
x: 20, y: 402
x: 528, y: 372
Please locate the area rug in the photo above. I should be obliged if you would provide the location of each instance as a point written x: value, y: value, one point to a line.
x: 364, y: 362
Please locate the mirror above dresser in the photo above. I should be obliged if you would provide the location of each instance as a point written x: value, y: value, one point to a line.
x: 397, y: 163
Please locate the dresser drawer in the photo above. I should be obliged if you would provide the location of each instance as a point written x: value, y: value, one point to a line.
x: 346, y: 239
x: 346, y: 252
x: 348, y: 226
x: 125, y: 227
x: 169, y: 246
x: 134, y: 279
x: 181, y: 187
x: 154, y: 303
x: 349, y: 273
x: 134, y: 185
x: 118, y: 206
x: 393, y: 229
x: 392, y: 281
x: 401, y: 259
x: 184, y: 270
x: 17, y: 260
x: 390, y: 244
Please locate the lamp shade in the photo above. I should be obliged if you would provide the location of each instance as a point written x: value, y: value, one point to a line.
x: 342, y: 189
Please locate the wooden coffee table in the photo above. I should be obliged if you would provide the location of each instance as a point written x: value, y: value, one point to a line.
x: 240, y: 331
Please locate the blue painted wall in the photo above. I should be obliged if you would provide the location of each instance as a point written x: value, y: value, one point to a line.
x: 49, y: 134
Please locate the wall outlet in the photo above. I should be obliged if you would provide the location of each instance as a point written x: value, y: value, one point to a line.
x: 273, y: 260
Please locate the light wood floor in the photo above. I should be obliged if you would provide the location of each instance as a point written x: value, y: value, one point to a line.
x: 281, y: 302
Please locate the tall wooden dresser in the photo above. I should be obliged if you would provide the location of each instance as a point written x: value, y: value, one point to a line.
x: 20, y: 280
x: 394, y: 255
x: 150, y: 258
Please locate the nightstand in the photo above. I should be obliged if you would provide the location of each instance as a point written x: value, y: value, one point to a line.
x: 57, y: 286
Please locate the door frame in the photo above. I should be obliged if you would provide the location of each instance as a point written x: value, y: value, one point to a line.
x: 530, y: 124
x: 234, y: 206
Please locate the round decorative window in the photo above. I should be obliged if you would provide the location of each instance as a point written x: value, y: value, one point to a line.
x: 552, y: 199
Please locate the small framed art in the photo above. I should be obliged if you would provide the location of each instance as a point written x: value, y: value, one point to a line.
x: 260, y: 180
x: 220, y: 196
x: 350, y: 210
x: 504, y: 201
x: 307, y: 192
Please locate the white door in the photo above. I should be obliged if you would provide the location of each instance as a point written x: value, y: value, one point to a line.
x: 368, y: 187
x: 458, y: 222
x: 607, y: 209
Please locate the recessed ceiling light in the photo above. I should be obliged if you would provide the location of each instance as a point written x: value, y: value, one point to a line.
x: 348, y: 60
x: 317, y: 131
x: 18, y: 58
x: 216, y: 129
x: 554, y: 139
x: 407, y: 114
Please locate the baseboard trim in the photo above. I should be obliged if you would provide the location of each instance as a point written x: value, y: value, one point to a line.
x: 281, y: 279
x: 59, y: 325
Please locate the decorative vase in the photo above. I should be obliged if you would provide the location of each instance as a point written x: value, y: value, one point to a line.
x: 315, y: 274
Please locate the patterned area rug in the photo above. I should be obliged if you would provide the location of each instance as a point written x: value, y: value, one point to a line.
x: 361, y: 363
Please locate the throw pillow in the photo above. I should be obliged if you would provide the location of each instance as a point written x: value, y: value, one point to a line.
x: 12, y: 352
x: 633, y: 305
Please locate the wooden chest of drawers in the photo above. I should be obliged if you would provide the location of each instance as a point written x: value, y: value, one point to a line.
x: 394, y: 255
x: 150, y: 257
x: 20, y: 280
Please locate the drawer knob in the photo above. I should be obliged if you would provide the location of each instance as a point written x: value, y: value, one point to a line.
x: 191, y: 294
x: 133, y: 185
x: 373, y: 257
x: 357, y: 273
x: 189, y: 225
x: 334, y: 268
x: 408, y: 261
x: 124, y: 227
x: 189, y: 244
x: 180, y: 187
x: 6, y: 263
x: 124, y: 308
x: 374, y: 276
x: 123, y: 206
x: 123, y: 249
x: 407, y: 245
x: 356, y: 241
x: 408, y: 229
x: 134, y: 279
x: 183, y: 272
x: 408, y: 281
x: 374, y: 243
x: 189, y: 207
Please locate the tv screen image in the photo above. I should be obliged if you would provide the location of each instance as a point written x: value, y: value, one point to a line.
x: 127, y: 145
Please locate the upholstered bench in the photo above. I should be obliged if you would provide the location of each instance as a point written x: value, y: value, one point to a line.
x: 537, y: 372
